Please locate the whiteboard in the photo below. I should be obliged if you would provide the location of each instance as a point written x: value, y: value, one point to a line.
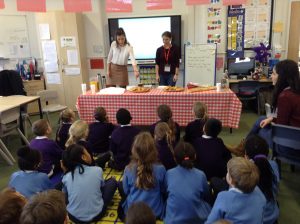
x: 14, y: 42
x: 200, y: 63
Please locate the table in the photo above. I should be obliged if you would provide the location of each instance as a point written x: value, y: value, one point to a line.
x: 9, y: 102
x: 233, y: 83
x: 224, y: 106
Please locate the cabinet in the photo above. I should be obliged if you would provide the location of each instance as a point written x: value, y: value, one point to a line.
x: 147, y: 74
x: 61, y: 25
x: 31, y: 88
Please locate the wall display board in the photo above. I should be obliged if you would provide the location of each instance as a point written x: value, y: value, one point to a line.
x: 200, y: 63
x: 14, y: 43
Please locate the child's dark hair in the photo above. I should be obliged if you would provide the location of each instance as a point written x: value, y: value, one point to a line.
x: 140, y: 213
x: 100, y: 114
x: 123, y: 116
x: 257, y: 149
x: 213, y: 127
x: 185, y: 155
x: 165, y: 114
x: 40, y: 127
x: 72, y: 157
x: 28, y: 159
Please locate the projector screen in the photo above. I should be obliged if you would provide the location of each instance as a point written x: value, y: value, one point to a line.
x: 144, y: 33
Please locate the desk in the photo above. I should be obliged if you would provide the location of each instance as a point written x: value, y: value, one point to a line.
x: 233, y: 83
x: 9, y: 102
x: 221, y: 105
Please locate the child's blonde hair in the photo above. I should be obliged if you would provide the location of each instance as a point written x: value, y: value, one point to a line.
x: 163, y: 131
x: 78, y: 130
x: 67, y: 115
x: 144, y: 155
x: 200, y: 110
x: 40, y: 127
x: 244, y: 174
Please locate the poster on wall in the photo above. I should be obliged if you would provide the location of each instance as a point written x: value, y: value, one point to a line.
x: 258, y: 20
x: 214, y: 25
x: 235, y: 32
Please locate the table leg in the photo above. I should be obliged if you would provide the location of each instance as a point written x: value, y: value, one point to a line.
x: 40, y: 108
x: 230, y: 130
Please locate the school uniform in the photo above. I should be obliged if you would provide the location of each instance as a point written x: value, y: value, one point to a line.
x: 120, y: 145
x: 99, y: 136
x: 51, y: 153
x: 84, y: 192
x: 165, y: 154
x: 194, y: 130
x: 238, y: 207
x: 62, y: 134
x: 29, y: 183
x: 187, y: 191
x: 152, y: 197
x: 211, y: 156
x: 177, y: 131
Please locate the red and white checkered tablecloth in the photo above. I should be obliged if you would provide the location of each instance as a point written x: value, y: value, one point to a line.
x: 224, y: 106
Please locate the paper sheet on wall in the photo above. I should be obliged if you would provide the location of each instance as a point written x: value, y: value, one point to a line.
x: 67, y: 41
x: 51, y: 66
x: 53, y: 78
x: 72, y: 56
x: 72, y: 71
x: 44, y: 31
x: 49, y: 50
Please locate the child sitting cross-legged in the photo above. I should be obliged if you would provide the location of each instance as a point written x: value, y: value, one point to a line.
x: 88, y: 194
x: 187, y: 189
x: 66, y: 118
x: 212, y: 155
x: 28, y: 181
x: 243, y: 202
x: 121, y: 140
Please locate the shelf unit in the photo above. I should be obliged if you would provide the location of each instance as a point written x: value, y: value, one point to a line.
x: 147, y: 74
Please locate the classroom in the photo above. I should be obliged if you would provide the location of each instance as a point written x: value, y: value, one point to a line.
x: 133, y: 64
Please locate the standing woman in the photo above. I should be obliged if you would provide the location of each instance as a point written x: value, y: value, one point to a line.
x: 120, y: 51
x: 167, y: 62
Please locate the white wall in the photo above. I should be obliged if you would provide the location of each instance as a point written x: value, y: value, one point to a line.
x: 96, y: 27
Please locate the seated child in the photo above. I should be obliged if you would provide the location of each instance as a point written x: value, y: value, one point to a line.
x: 212, y: 155
x: 257, y: 149
x: 243, y: 202
x: 28, y: 181
x: 143, y: 178
x: 140, y: 213
x: 163, y: 142
x: 11, y: 205
x: 48, y: 207
x: 66, y: 117
x: 78, y: 133
x: 165, y: 114
x: 121, y: 140
x: 88, y: 194
x: 187, y: 189
x: 194, y: 129
x: 100, y: 131
x: 51, y: 152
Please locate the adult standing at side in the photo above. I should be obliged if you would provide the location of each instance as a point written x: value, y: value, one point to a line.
x: 167, y: 61
x: 120, y: 51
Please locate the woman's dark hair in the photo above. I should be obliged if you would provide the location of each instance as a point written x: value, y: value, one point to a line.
x: 100, y: 114
x: 120, y: 32
x: 165, y: 114
x: 167, y: 34
x: 28, y: 159
x: 213, y: 127
x: 257, y: 149
x: 288, y: 76
x: 72, y: 157
x: 185, y: 155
